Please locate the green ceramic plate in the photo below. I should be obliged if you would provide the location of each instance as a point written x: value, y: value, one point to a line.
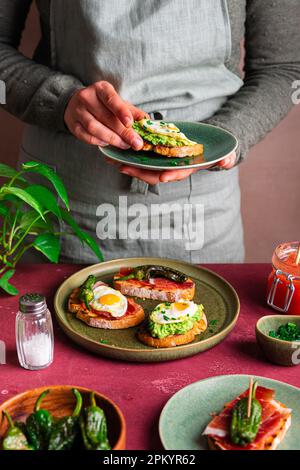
x: 180, y: 427
x: 217, y: 142
x: 218, y: 297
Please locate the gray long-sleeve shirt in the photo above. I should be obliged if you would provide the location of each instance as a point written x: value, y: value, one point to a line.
x: 38, y: 94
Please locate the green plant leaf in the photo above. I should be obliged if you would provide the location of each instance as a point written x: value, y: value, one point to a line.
x: 3, y: 209
x: 29, y: 217
x: 50, y: 174
x: 10, y: 198
x: 83, y: 236
x: 24, y: 196
x: 45, y: 198
x: 49, y: 245
x: 9, y: 172
x: 5, y: 285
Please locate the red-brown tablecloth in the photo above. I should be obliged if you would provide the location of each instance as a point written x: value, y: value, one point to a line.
x: 141, y: 390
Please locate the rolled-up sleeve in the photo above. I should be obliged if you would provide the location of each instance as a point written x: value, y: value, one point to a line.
x: 272, y: 65
x: 35, y: 93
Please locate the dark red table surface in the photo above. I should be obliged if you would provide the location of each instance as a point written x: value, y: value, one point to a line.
x: 140, y: 390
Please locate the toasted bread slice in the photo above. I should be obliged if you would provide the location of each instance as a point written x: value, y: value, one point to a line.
x: 271, y: 443
x: 175, y: 152
x: 169, y: 293
x: 173, y: 340
x: 147, y: 147
x: 134, y: 318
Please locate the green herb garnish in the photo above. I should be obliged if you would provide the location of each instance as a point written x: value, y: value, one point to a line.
x: 287, y: 332
x: 213, y: 322
x: 104, y: 341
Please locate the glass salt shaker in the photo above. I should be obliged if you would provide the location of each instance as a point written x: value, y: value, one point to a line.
x: 34, y: 332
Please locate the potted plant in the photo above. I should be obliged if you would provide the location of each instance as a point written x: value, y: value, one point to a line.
x: 28, y: 216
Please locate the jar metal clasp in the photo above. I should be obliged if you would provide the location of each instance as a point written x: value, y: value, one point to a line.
x: 289, y: 291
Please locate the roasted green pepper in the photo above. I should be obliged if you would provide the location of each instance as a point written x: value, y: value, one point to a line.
x: 93, y: 427
x: 244, y: 429
x: 86, y: 294
x: 39, y: 424
x: 146, y: 272
x: 15, y: 438
x: 64, y: 432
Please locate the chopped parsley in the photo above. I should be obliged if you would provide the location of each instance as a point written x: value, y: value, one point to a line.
x: 287, y: 332
x: 212, y: 326
x: 166, y: 318
x: 103, y: 341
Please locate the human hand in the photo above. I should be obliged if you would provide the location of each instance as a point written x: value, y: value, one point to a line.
x: 97, y: 115
x: 167, y: 176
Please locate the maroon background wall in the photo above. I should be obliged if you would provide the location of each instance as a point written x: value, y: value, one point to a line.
x: 269, y: 178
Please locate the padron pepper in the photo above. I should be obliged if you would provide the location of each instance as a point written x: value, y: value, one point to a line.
x: 64, y: 431
x: 15, y: 438
x: 94, y: 427
x: 244, y: 429
x: 147, y: 271
x: 86, y: 294
x: 39, y: 424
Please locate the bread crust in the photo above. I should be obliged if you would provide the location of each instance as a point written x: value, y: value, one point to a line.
x: 82, y: 313
x: 173, y: 340
x: 129, y: 288
x: 212, y: 445
x: 175, y: 152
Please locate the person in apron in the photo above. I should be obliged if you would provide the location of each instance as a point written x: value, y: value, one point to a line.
x: 171, y: 73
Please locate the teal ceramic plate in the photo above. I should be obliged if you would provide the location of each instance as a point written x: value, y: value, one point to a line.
x: 187, y: 413
x: 220, y: 301
x: 218, y: 144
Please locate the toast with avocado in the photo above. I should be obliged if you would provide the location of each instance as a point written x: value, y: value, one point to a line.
x: 166, y: 139
x: 173, y: 324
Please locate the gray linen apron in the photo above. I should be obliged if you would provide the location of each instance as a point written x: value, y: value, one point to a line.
x: 168, y: 57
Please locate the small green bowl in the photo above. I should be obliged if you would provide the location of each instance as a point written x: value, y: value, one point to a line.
x: 285, y: 353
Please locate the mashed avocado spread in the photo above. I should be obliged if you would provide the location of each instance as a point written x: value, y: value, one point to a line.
x: 160, y: 139
x: 161, y: 331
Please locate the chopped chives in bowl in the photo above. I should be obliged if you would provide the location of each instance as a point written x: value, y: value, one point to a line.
x: 287, y: 332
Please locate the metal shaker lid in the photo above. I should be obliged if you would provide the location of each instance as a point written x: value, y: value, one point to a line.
x: 32, y: 303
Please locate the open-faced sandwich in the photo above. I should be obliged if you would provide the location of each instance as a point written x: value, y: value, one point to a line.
x: 173, y: 324
x: 253, y: 421
x: 166, y: 139
x: 100, y: 306
x: 155, y: 282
